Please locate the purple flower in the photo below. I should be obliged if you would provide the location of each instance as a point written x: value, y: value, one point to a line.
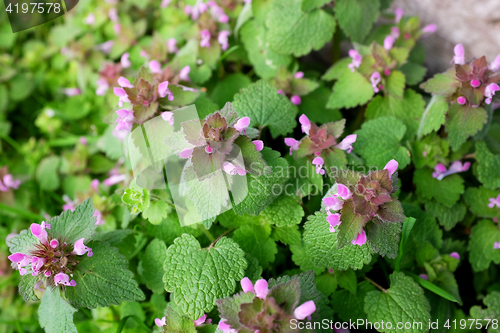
x: 247, y: 285
x: 114, y: 179
x: 113, y: 14
x: 389, y: 42
x: 424, y: 276
x: 261, y: 289
x: 281, y: 92
x: 395, y: 32
x: 375, y: 80
x: 229, y: 168
x: 172, y: 45
x: 346, y: 144
x: 222, y: 39
x: 186, y: 153
x: 63, y: 279
x: 459, y: 58
x: 90, y: 19
x: 333, y: 203
x: 124, y: 61
x: 242, y: 124
x: 198, y: 322
x: 124, y: 82
x: 360, y: 239
x: 319, y: 162
x: 333, y: 219
x: 391, y: 166
x: 169, y: 117
x: 9, y: 182
x: 98, y: 217
x: 226, y: 328
x: 259, y: 144
x: 117, y: 28
x: 161, y: 322
x: 184, y: 73
x: 81, y: 249
x: 496, y: 246
x: 123, y: 97
x: 71, y: 92
x: 102, y: 87
x: 144, y: 54
x: 21, y: 260
x: 455, y: 255
x: 155, y: 66
x: 461, y: 100
x: 490, y: 91
x: 356, y: 59
x: 94, y: 184
x: 343, y: 192
x: 475, y: 83
x: 69, y: 204
x: 305, y: 124
x: 495, y: 65
x: 398, y: 14
x: 494, y: 202
x: 54, y: 243
x: 205, y: 38
x: 106, y: 46
x: 125, y: 120
x: 164, y: 91
x: 304, y: 310
x: 217, y: 12
x: 299, y: 75
x: 292, y: 143
x: 295, y: 99
x: 429, y: 29
x: 38, y: 230
x: 440, y: 170
x: 165, y: 3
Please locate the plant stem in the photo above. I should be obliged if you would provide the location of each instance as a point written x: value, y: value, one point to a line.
x: 207, y: 232
x: 375, y: 284
x: 222, y: 235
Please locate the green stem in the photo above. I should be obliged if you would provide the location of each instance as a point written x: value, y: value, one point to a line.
x: 12, y: 142
x: 375, y: 284
x: 222, y: 235
x: 207, y: 232
x: 20, y: 212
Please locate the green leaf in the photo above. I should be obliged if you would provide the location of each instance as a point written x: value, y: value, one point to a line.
x: 308, y: 5
x: 198, y: 277
x: 261, y: 102
x: 46, y: 173
x: 347, y: 280
x: 483, y: 237
x: 152, y: 260
x: 413, y: 72
x: 313, y: 105
x: 157, y: 211
x: 114, y: 237
x: 464, y: 121
x: 182, y: 96
x: 351, y: 89
x: 432, y: 287
x: 350, y: 306
x: 447, y: 217
x: 73, y: 225
x: 178, y: 323
x: 487, y: 166
x: 225, y: 90
x: 492, y: 302
x: 403, y: 302
x: 22, y: 243
x: 407, y: 226
x: 384, y: 238
x: 103, y: 279
x: 55, y: 314
x: 170, y: 228
x: 292, y: 31
x: 395, y: 84
x: 337, y: 69
x: 446, y: 191
x: 27, y: 287
x: 304, y: 179
x: 356, y: 17
x: 378, y: 142
x: 434, y: 116
x: 478, y: 199
x: 254, y: 270
x: 426, y: 229
x: 444, y: 84
x: 326, y: 283
x: 255, y: 240
x: 408, y: 109
x: 321, y: 245
x: 284, y: 211
x: 265, y: 61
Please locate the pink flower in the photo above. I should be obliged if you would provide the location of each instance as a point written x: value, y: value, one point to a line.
x: 319, y: 162
x: 305, y: 124
x: 356, y: 59
x: 125, y: 120
x: 54, y: 243
x: 346, y: 144
x: 494, y: 202
x: 375, y: 80
x: 69, y: 204
x: 226, y: 328
x: 475, y: 83
x: 102, y: 87
x: 424, y: 276
x: 440, y: 170
x: 429, y: 29
x: 98, y: 217
x: 9, y: 182
x: 184, y: 73
x: 144, y: 54
x: 242, y: 124
x: 229, y: 168
x: 155, y: 66
x: 172, y: 45
x: 21, y: 260
x: 490, y: 91
x: 123, y: 97
x: 295, y: 99
x: 71, y: 92
x: 94, y: 184
x: 222, y: 39
x: 459, y: 57
x: 261, y: 289
x: 495, y: 65
x: 360, y: 239
x: 217, y: 12
x: 389, y: 42
x: 164, y: 91
x: 186, y: 153
x: 333, y: 203
x: 398, y: 14
x: 106, y: 46
x: 115, y: 179
x: 113, y: 14
x: 38, y: 230
x: 247, y: 285
x: 83, y: 140
x: 461, y: 100
x: 117, y: 28
x: 496, y: 246
x: 81, y: 249
x: 205, y: 38
x: 169, y: 117
x: 334, y: 220
x: 36, y: 264
x: 198, y: 322
x: 124, y: 82
x: 395, y: 32
x: 292, y: 143
x: 343, y: 192
x: 161, y: 322
x: 281, y: 92
x: 259, y: 144
x: 304, y: 310
x: 299, y: 75
x: 63, y: 279
x: 391, y: 166
x: 455, y: 255
x: 165, y: 3
x: 90, y: 19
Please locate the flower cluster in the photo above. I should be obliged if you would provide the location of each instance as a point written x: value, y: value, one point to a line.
x: 361, y: 198
x: 320, y: 141
x: 51, y: 258
x: 293, y: 85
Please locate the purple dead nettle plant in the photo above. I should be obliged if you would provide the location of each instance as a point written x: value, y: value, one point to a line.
x: 320, y: 142
x: 51, y: 258
x: 293, y: 85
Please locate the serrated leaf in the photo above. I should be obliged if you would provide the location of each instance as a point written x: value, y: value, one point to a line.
x: 22, y: 243
x: 284, y: 211
x: 447, y: 217
x: 403, y: 302
x: 170, y: 228
x: 322, y: 245
x: 27, y: 287
x: 46, y: 173
x: 55, y: 314
x: 114, y: 237
x: 152, y: 260
x: 254, y: 270
x: 384, y: 238
x: 225, y: 90
x: 157, y: 211
x: 103, y: 279
x: 463, y: 122
x: 314, y: 107
x: 408, y: 109
x: 351, y: 89
x: 326, y: 283
x: 434, y: 116
x: 483, y: 237
x: 73, y: 225
x: 356, y: 17
x: 492, y: 302
x: 425, y: 229
x: 444, y: 84
x: 198, y: 277
x: 261, y: 102
x: 292, y: 31
x: 478, y: 199
x: 350, y: 306
x: 177, y: 323
x: 488, y: 166
x: 265, y: 61
x: 379, y: 141
x: 337, y: 69
x: 395, y: 84
x: 255, y: 240
x: 446, y: 191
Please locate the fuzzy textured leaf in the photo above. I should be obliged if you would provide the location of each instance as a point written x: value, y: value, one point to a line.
x: 55, y: 314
